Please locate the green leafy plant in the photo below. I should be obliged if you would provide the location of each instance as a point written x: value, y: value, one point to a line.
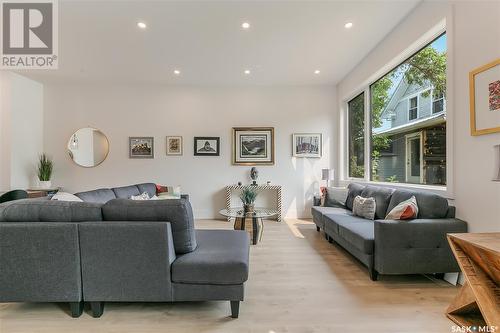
x: 45, y: 166
x: 248, y: 196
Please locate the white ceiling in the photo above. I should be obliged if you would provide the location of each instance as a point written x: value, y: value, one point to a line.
x: 99, y: 41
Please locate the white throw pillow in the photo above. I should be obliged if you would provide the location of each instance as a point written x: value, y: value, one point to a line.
x: 65, y: 196
x: 364, y: 207
x: 143, y: 196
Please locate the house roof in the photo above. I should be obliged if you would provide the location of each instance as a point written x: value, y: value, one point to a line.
x: 434, y: 119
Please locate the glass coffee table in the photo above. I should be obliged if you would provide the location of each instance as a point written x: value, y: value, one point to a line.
x: 251, y: 222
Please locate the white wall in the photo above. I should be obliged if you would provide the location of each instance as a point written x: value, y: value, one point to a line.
x: 21, y: 130
x: 473, y: 40
x: 123, y: 111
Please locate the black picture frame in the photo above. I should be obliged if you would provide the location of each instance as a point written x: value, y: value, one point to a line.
x: 205, y: 151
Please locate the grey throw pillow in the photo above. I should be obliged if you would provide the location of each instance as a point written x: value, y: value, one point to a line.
x: 364, y: 207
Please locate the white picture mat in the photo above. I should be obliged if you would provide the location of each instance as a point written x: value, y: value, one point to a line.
x: 269, y: 150
x: 484, y: 117
x: 201, y: 143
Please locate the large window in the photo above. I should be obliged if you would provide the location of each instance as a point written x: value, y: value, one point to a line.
x: 356, y: 120
x: 407, y: 129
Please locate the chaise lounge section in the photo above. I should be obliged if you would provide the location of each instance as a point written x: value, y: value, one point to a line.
x: 416, y: 246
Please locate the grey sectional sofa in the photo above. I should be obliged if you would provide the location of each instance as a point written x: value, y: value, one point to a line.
x: 415, y: 246
x: 116, y: 250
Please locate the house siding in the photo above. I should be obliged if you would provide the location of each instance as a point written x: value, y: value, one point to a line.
x: 401, y: 110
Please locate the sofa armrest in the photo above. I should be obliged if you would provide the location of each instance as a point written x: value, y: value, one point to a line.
x: 415, y: 246
x: 39, y: 262
x: 316, y: 200
x: 126, y: 261
x: 185, y: 196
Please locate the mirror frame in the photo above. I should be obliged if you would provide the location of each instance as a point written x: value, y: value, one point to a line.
x: 83, y: 166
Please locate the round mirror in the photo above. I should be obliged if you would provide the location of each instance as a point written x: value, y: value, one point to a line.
x: 88, y: 147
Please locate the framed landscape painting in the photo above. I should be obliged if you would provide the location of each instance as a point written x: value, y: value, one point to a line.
x: 307, y: 144
x: 174, y: 145
x: 206, y: 146
x: 141, y: 147
x: 253, y: 145
x: 484, y: 85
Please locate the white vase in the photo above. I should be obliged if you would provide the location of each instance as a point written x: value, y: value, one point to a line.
x: 44, y: 184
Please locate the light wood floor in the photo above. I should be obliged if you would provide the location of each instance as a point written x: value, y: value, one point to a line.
x: 298, y: 283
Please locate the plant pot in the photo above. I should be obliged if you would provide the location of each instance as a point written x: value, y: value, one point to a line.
x: 248, y: 208
x: 44, y: 184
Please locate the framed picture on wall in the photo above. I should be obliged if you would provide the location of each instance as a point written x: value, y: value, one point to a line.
x: 484, y: 91
x: 206, y: 146
x: 141, y: 147
x: 253, y: 145
x: 174, y: 145
x: 307, y: 145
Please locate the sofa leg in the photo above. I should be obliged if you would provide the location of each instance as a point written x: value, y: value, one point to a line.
x: 326, y: 236
x: 373, y: 274
x: 330, y: 240
x: 235, y: 309
x: 97, y: 309
x: 317, y: 228
x: 439, y: 276
x: 76, y: 309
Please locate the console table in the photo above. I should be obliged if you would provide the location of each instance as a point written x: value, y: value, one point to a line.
x: 275, y: 189
x: 478, y: 302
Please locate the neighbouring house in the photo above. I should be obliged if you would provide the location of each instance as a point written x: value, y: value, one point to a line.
x: 414, y: 120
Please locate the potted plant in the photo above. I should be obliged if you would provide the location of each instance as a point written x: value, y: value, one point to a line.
x: 247, y: 197
x: 45, y: 166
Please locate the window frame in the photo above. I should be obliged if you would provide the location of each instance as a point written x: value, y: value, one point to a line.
x: 426, y: 39
x: 434, y: 100
x: 409, y: 108
x: 348, y: 127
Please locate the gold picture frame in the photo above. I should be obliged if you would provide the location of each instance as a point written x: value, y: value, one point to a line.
x: 472, y: 93
x: 253, y: 146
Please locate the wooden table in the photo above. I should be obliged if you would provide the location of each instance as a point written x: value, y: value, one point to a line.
x: 478, y: 302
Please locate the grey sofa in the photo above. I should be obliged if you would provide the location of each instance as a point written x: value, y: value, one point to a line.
x: 116, y: 250
x: 417, y: 246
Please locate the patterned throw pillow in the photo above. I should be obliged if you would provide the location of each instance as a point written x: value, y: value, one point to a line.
x: 364, y: 207
x: 405, y: 210
x: 143, y: 196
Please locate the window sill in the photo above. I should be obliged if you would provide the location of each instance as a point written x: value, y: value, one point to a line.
x: 440, y: 190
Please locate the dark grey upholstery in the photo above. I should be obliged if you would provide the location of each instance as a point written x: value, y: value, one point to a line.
x: 382, y: 196
x: 125, y: 192
x: 39, y: 262
x: 29, y: 210
x: 102, y: 195
x: 220, y: 258
x: 354, y: 191
x: 176, y: 211
x: 394, y: 247
x: 430, y: 205
x: 57, y: 251
x: 126, y: 261
x: 415, y: 246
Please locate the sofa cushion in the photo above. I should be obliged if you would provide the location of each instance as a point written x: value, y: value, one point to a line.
x: 149, y: 188
x: 354, y: 191
x: 336, y: 196
x: 30, y: 210
x: 382, y: 196
x: 335, y: 214
x: 430, y: 205
x: 126, y: 192
x: 178, y: 212
x: 358, y: 232
x: 102, y: 195
x: 221, y: 258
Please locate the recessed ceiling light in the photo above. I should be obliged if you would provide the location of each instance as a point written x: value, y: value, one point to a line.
x: 141, y: 25
x: 177, y: 72
x: 317, y: 71
x: 247, y: 71
x: 348, y: 25
x: 245, y: 25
